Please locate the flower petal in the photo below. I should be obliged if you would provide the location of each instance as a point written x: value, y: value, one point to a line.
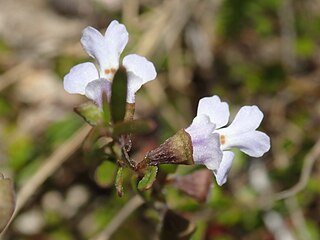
x: 217, y: 111
x: 206, y: 145
x: 96, y: 88
x: 140, y: 66
x: 224, y: 168
x: 247, y: 119
x: 140, y: 71
x: 134, y: 84
x: 253, y: 143
x: 79, y: 77
x: 117, y: 36
x: 94, y: 44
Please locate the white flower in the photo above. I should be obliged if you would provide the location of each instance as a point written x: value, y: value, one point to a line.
x: 87, y: 80
x: 241, y: 133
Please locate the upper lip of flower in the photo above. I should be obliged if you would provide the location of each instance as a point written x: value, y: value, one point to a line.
x: 106, y: 50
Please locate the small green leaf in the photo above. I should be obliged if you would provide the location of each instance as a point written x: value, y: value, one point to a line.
x: 90, y: 113
x: 148, y: 179
x: 133, y: 126
x: 7, y: 201
x: 105, y: 174
x: 146, y: 195
x: 119, y: 181
x: 176, y: 227
x: 119, y: 95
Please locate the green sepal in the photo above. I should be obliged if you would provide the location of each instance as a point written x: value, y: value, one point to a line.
x: 175, y: 150
x: 148, y: 179
x: 133, y: 126
x: 7, y: 201
x: 105, y: 174
x: 119, y: 95
x: 90, y: 112
x: 119, y: 181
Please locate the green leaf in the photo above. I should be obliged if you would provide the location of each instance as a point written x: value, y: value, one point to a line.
x: 148, y: 179
x: 7, y: 201
x: 90, y: 113
x: 133, y: 126
x: 119, y: 181
x: 105, y: 174
x: 119, y: 95
x: 176, y: 227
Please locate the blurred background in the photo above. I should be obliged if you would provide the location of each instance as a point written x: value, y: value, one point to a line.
x: 262, y: 52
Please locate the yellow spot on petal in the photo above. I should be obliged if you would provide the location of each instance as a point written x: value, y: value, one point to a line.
x: 222, y: 139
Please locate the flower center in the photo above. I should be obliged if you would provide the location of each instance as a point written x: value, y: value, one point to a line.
x: 222, y: 139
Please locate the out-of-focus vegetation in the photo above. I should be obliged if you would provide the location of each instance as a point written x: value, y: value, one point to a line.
x: 263, y: 52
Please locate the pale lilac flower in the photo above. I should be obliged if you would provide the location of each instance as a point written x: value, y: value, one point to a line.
x: 241, y: 133
x: 88, y: 80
